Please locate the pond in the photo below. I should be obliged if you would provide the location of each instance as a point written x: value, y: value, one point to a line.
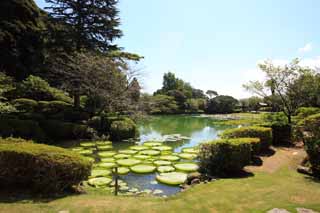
x: 178, y: 132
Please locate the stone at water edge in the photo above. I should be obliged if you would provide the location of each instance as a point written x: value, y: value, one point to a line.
x: 192, y: 176
x: 303, y: 210
x: 276, y: 210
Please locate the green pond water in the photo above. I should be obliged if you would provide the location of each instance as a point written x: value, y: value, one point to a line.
x: 179, y: 132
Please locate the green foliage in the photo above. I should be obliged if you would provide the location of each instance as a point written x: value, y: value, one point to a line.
x: 277, y: 119
x: 311, y: 125
x: 222, y: 104
x: 123, y: 129
x: 14, y: 140
x: 6, y: 108
x: 224, y: 157
x: 304, y: 112
x: 312, y: 147
x: 263, y: 133
x: 25, y: 105
x: 163, y: 104
x: 42, y: 168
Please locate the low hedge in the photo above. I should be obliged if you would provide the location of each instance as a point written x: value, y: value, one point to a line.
x: 225, y: 156
x: 25, y: 105
x: 263, y: 133
x: 123, y: 129
x: 41, y: 168
x: 14, y: 140
x: 311, y: 124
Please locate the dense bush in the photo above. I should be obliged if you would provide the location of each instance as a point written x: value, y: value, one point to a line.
x: 224, y: 157
x: 221, y: 105
x: 14, y: 140
x: 42, y: 168
x: 53, y: 107
x: 25, y: 105
x: 312, y: 147
x: 304, y: 112
x: 311, y: 125
x: 28, y: 129
x: 123, y: 129
x: 263, y: 133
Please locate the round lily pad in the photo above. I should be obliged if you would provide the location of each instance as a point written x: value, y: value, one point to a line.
x: 150, y: 152
x: 169, y: 157
x: 164, y: 169
x: 108, y: 160
x: 88, y: 144
x: 150, y: 143
x: 187, y: 156
x: 104, y: 147
x: 190, y: 150
x: 99, y: 182
x: 187, y: 167
x: 128, y: 162
x: 139, y: 148
x: 142, y: 157
x: 162, y: 163
x: 128, y: 152
x: 172, y: 178
x: 86, y: 152
x: 121, y: 156
x: 107, y: 165
x: 77, y: 149
x: 143, y: 168
x: 100, y: 173
x: 162, y: 148
x: 123, y: 170
x: 103, y: 143
x: 106, y: 154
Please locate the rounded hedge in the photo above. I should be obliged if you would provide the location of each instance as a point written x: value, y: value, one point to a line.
x: 43, y: 168
x: 263, y: 133
x: 123, y: 129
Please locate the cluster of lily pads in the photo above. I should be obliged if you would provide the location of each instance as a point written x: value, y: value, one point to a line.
x: 170, y: 138
x: 151, y: 157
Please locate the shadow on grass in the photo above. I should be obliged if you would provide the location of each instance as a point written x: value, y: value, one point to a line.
x: 312, y: 178
x: 267, y: 153
x: 237, y: 175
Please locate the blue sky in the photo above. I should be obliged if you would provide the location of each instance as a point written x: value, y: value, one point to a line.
x: 216, y: 44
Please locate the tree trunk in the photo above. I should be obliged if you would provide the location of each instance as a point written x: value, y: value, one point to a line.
x: 289, y: 119
x: 76, y: 100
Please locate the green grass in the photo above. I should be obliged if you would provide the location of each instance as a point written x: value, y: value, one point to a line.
x: 284, y: 188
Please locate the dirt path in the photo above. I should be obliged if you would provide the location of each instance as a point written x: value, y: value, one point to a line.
x: 290, y: 157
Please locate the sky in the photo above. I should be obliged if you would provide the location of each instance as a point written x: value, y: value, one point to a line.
x: 215, y: 44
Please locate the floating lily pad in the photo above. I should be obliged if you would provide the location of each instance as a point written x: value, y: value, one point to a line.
x: 121, y: 156
x: 104, y: 147
x: 77, y: 149
x: 143, y: 168
x: 151, y: 144
x: 169, y: 157
x: 164, y: 169
x: 100, y: 173
x: 172, y: 178
x: 88, y: 144
x: 123, y: 170
x: 139, y: 148
x: 108, y: 160
x: 162, y: 148
x: 187, y: 156
x: 90, y: 159
x: 142, y: 157
x: 107, y: 165
x: 162, y: 163
x: 106, y: 154
x: 103, y: 143
x: 85, y: 152
x: 99, y: 182
x: 190, y: 150
x: 187, y: 167
x: 128, y: 162
x: 128, y: 152
x: 150, y: 152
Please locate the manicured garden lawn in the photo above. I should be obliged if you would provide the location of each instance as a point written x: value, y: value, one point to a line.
x: 274, y: 185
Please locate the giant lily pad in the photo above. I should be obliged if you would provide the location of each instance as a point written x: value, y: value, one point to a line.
x: 106, y: 165
x: 77, y: 149
x: 143, y: 168
x: 169, y: 158
x: 99, y: 182
x: 85, y: 152
x: 90, y: 159
x: 88, y: 144
x: 128, y: 152
x: 172, y: 178
x: 102, y: 143
x: 121, y: 156
x: 104, y: 147
x: 128, y: 162
x: 139, y: 148
x: 106, y: 154
x: 162, y: 148
x: 190, y: 150
x: 100, y: 173
x: 187, y: 167
x: 164, y: 169
x: 149, y: 152
x: 151, y: 143
x: 142, y: 157
x: 108, y: 160
x: 162, y: 163
x: 123, y: 170
x: 187, y: 156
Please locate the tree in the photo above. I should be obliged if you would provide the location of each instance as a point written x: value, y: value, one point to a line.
x: 283, y: 79
x: 211, y: 93
x: 134, y: 89
x: 222, y: 104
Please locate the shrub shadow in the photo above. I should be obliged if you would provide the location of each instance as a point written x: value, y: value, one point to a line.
x: 267, y: 153
x: 237, y: 175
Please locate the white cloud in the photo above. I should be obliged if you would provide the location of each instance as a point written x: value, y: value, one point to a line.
x: 306, y: 48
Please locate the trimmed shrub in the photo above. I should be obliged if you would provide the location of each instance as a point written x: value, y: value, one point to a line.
x: 312, y: 147
x: 53, y: 107
x: 224, y: 157
x: 25, y: 105
x: 123, y: 129
x: 304, y: 112
x: 65, y: 131
x: 14, y: 140
x: 28, y: 129
x: 281, y: 135
x: 42, y: 168
x: 263, y: 133
x: 311, y: 125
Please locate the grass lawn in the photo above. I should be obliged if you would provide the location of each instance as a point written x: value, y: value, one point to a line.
x: 274, y: 185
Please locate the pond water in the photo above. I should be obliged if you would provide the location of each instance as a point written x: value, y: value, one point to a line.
x: 178, y: 132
